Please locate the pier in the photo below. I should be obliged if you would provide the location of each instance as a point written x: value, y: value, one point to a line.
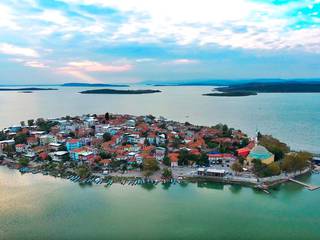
x: 307, y: 186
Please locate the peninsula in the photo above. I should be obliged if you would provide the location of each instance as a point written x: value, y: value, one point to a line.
x: 249, y: 89
x: 95, y: 149
x: 274, y: 87
x: 116, y: 91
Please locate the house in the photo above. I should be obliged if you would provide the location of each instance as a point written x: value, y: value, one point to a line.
x: 133, y: 138
x: 58, y: 156
x: 32, y: 141
x: 37, y: 134
x: 151, y: 138
x: 174, y: 157
x: 215, y: 157
x: 215, y: 172
x: 15, y: 128
x: 131, y: 123
x: 105, y: 162
x: 160, y: 153
x: 90, y: 121
x: 212, y: 172
x: 20, y: 148
x: 81, y: 154
x: 30, y: 155
x: 73, y: 144
x: 6, y: 143
x: 43, y: 156
x: 243, y: 152
x: 46, y: 139
x: 54, y: 146
x: 161, y: 139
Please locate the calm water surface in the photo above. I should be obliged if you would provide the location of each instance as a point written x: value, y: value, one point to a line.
x: 294, y: 118
x: 42, y: 207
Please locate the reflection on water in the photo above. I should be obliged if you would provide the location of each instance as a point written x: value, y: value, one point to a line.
x: 235, y: 189
x: 210, y: 185
x: 148, y: 187
x: 53, y: 208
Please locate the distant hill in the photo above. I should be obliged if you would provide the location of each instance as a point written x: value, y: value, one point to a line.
x: 274, y: 87
x: 26, y: 89
x: 231, y: 94
x: 115, y: 91
x: 92, y: 85
x: 224, y: 82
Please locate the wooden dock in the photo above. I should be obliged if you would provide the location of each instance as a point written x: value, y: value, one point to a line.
x: 307, y: 186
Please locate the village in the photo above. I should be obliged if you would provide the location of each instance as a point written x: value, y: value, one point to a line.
x: 144, y: 149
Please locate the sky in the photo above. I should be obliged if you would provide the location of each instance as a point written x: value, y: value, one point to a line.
x: 132, y: 41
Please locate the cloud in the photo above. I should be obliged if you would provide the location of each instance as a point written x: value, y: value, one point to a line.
x: 143, y: 60
x: 29, y: 62
x: 78, y: 74
x: 247, y: 24
x: 184, y: 61
x: 10, y: 49
x: 7, y: 19
x: 90, y: 66
x: 35, y: 64
x: 82, y: 69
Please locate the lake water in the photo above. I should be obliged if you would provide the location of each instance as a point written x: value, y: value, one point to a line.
x: 293, y: 118
x: 43, y: 207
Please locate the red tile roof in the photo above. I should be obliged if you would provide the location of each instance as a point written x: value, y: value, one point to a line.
x: 174, y: 157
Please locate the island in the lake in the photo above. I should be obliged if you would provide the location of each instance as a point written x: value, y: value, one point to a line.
x: 26, y: 89
x: 231, y: 94
x: 253, y: 88
x: 116, y: 91
x: 93, y: 85
x: 108, y: 148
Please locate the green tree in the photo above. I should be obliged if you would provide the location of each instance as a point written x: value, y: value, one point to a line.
x: 264, y: 170
x: 183, y: 158
x: 105, y: 155
x: 273, y: 169
x: 44, y: 125
x: 166, y: 161
x: 166, y: 173
x: 22, y: 123
x: 24, y: 162
x: 83, y: 171
x: 107, y: 137
x: 106, y: 116
x: 296, y: 161
x: 176, y: 142
x: 2, y: 136
x: 203, y: 159
x: 236, y: 166
x: 21, y: 138
x: 150, y: 165
x: 30, y: 122
x: 279, y: 149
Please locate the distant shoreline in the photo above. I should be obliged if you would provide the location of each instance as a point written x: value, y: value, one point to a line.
x: 114, y: 91
x: 92, y: 85
x: 250, y: 89
x: 231, y: 94
x: 26, y: 89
